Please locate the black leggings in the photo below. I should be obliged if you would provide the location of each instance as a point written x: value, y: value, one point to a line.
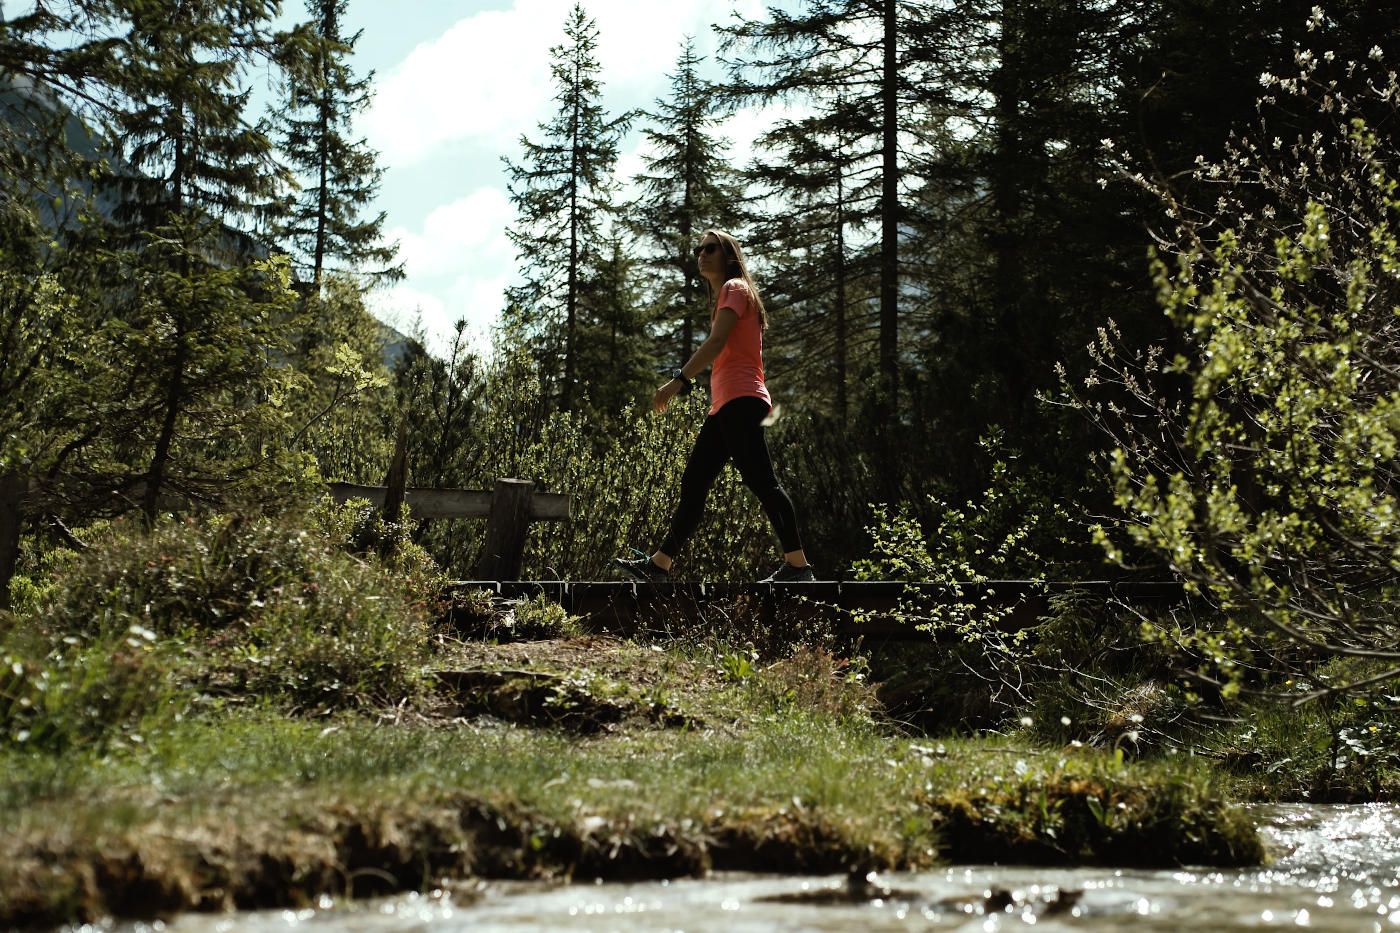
x: 735, y: 431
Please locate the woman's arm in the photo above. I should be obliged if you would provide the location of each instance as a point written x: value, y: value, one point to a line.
x: 703, y: 356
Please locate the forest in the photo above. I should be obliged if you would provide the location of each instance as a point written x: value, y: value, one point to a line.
x: 1058, y: 290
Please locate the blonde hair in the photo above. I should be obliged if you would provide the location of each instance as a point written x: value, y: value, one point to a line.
x: 736, y: 268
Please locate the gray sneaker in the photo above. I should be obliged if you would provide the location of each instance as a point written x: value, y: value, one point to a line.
x: 787, y: 573
x: 642, y: 568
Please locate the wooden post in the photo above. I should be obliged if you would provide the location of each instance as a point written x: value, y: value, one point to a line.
x: 506, y: 527
x: 12, y: 489
x: 397, y: 479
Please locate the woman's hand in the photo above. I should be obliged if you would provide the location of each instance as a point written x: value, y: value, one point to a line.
x: 663, y: 395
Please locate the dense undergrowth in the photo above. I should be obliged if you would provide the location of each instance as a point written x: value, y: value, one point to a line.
x: 145, y: 626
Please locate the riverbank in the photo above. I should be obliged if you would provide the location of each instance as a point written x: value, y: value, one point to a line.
x: 577, y: 757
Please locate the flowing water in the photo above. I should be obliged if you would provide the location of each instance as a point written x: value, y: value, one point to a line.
x: 1331, y: 868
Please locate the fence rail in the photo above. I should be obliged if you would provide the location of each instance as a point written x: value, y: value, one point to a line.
x: 508, y: 509
x: 456, y: 503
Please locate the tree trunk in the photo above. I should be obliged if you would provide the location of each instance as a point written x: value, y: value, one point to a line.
x: 571, y: 302
x: 174, y: 402
x: 840, y: 276
x: 889, y: 216
x: 1006, y: 178
x: 13, y: 486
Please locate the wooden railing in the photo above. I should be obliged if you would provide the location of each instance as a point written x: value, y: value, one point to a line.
x: 508, y: 509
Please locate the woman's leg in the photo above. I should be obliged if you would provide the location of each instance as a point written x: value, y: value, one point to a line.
x: 707, y: 458
x: 742, y: 425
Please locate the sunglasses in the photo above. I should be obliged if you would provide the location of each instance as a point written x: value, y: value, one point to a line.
x: 707, y: 249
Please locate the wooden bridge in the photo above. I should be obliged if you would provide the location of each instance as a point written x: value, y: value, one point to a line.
x: 856, y: 609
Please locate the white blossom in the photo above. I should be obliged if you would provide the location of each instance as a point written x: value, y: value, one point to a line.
x: 1376, y: 53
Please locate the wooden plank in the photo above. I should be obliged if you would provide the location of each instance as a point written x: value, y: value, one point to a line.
x: 396, y: 481
x: 624, y: 608
x: 456, y: 503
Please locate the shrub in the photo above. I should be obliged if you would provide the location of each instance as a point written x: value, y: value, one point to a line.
x: 624, y: 477
x: 79, y: 690
x: 238, y: 607
x: 1259, y: 464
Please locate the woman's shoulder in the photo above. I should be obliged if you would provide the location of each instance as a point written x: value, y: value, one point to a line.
x: 735, y: 286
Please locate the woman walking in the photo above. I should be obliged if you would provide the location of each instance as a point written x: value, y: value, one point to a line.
x: 739, y: 403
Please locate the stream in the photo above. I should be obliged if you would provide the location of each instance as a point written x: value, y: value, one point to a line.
x: 1331, y: 868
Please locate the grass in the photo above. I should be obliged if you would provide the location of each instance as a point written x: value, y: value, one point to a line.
x: 253, y: 714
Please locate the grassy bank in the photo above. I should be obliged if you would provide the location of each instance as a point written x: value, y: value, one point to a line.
x: 770, y: 770
x: 182, y: 734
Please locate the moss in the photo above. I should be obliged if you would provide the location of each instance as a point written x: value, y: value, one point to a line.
x: 1083, y: 821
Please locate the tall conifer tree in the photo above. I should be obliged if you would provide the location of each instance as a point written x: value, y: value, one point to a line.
x: 615, y: 352
x: 562, y: 191
x: 824, y: 272
x: 185, y: 131
x: 689, y: 186
x: 208, y: 314
x: 323, y: 222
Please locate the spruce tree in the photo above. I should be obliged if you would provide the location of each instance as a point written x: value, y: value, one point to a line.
x: 614, y: 347
x: 822, y: 271
x: 562, y: 191
x: 689, y: 186
x: 184, y: 130
x: 322, y: 222
x: 207, y: 314
x: 196, y: 342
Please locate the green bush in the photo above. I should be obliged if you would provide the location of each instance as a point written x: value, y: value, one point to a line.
x: 625, y: 480
x: 84, y: 691
x: 1259, y: 462
x: 237, y: 608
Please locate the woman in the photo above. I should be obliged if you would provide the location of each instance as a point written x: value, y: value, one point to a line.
x: 739, y: 404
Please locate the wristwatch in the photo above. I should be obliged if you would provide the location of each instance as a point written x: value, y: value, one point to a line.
x: 679, y: 376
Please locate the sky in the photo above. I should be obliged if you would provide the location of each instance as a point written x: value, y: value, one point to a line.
x: 457, y: 82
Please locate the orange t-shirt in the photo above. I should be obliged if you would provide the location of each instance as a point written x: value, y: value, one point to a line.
x: 738, y: 370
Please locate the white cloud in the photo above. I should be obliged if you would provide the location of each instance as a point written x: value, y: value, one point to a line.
x: 742, y: 128
x: 404, y: 308
x: 486, y: 79
x: 457, y: 267
x: 467, y: 234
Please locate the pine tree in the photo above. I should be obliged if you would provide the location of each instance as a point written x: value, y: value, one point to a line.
x: 614, y: 345
x: 184, y: 131
x: 562, y: 191
x: 209, y: 315
x: 688, y: 187
x: 875, y: 65
x: 822, y: 273
x: 322, y: 222
x: 202, y: 415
